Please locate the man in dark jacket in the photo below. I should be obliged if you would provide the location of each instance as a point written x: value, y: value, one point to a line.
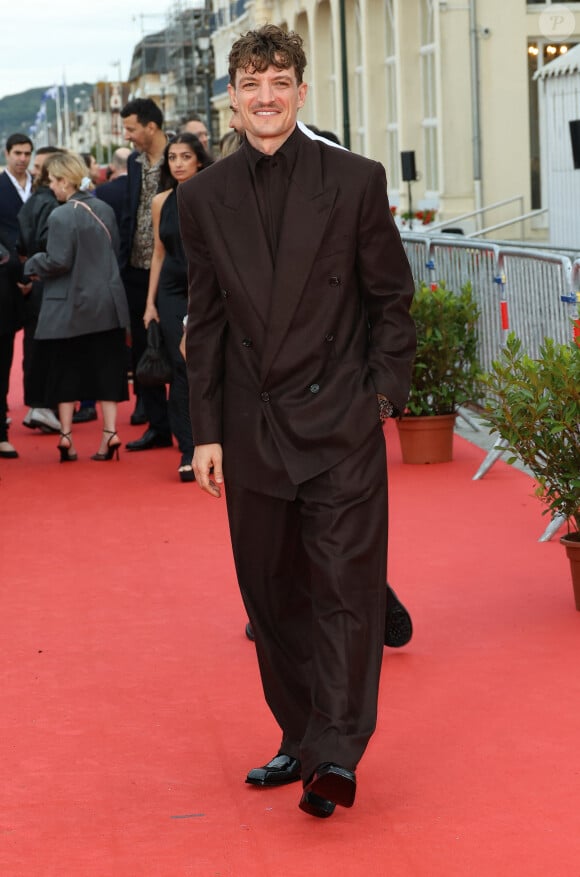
x: 299, y: 344
x: 15, y: 189
x: 114, y: 192
x: 143, y: 126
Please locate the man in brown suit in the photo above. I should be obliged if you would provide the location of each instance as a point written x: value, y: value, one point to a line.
x: 299, y: 343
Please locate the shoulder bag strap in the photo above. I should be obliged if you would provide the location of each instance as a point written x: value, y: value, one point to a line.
x: 92, y: 212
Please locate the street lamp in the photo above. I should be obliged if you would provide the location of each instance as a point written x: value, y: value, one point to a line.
x: 344, y: 76
x: 162, y: 91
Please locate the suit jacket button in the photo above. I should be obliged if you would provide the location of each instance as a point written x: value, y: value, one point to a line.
x: 225, y: 293
x: 265, y: 397
x: 329, y: 337
x: 247, y: 342
x: 334, y: 280
x: 314, y: 388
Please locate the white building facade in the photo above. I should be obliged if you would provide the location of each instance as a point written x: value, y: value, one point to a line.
x: 450, y: 80
x: 559, y: 104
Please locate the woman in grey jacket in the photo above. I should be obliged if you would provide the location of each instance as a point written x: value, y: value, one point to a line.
x: 84, y: 314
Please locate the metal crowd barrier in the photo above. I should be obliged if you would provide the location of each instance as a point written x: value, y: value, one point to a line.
x: 526, y: 290
x: 529, y: 291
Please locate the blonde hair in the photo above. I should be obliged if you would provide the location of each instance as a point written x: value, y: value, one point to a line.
x: 67, y: 166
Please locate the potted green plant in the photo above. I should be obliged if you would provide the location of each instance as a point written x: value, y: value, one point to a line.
x: 445, y: 371
x: 534, y: 404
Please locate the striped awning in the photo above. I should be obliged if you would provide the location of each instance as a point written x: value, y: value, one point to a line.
x: 562, y: 65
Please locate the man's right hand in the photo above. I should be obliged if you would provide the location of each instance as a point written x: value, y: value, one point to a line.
x: 207, y: 462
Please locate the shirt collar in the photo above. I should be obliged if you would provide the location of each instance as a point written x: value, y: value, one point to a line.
x: 142, y: 159
x: 23, y: 191
x: 289, y: 150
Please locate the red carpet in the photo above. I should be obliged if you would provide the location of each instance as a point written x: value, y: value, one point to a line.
x: 131, y: 707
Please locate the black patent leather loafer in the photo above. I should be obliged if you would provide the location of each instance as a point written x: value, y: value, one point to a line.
x: 150, y: 439
x: 281, y: 770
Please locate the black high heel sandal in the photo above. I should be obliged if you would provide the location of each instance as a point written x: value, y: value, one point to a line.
x: 112, y: 450
x: 66, y: 454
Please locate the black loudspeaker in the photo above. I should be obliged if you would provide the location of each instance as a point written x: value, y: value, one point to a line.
x: 575, y: 138
x: 408, y: 166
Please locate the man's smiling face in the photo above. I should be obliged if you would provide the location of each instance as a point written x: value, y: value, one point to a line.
x: 267, y: 103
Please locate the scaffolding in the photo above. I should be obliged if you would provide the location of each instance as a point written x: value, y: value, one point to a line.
x: 175, y: 65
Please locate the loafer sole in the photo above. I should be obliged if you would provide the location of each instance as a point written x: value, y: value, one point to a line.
x: 149, y: 446
x: 45, y: 427
x: 316, y: 806
x: 333, y: 784
x: 273, y: 780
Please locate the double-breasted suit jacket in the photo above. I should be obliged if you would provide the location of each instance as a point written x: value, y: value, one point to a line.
x: 286, y: 356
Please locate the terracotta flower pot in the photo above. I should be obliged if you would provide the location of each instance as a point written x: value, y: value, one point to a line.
x: 427, y: 439
x: 571, y: 542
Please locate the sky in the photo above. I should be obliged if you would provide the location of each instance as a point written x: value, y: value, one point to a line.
x: 43, y: 42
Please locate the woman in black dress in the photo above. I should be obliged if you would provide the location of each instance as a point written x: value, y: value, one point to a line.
x: 84, y: 313
x: 167, y: 296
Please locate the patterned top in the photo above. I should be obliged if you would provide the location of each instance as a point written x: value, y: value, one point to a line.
x: 142, y: 249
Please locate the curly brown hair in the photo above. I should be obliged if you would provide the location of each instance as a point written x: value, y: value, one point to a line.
x: 269, y: 46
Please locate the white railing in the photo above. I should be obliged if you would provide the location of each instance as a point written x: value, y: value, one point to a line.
x: 533, y: 214
x: 481, y: 211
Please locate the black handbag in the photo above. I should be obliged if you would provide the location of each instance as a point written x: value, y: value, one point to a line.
x: 154, y: 367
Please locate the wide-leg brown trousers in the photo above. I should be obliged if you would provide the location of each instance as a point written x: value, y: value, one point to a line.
x: 312, y: 575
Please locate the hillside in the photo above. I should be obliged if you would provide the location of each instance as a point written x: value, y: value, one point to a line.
x: 18, y: 111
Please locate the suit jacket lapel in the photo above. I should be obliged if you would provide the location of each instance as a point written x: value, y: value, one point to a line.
x: 274, y: 292
x: 239, y: 220
x: 308, y: 207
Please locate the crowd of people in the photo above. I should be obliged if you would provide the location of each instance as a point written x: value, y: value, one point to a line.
x: 40, y: 284
x: 89, y: 259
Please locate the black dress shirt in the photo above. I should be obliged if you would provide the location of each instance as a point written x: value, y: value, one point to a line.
x: 271, y: 176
